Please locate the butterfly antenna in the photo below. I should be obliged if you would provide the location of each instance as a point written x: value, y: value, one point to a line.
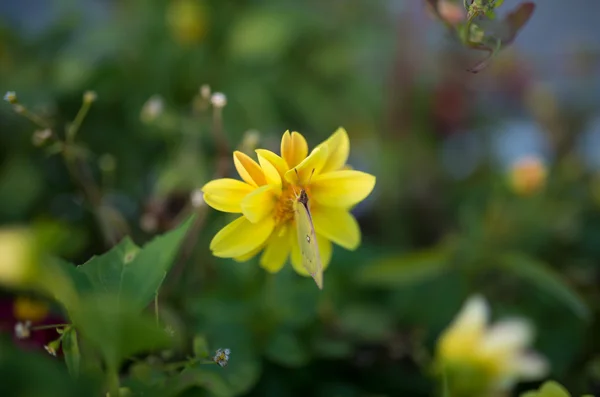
x: 311, y: 175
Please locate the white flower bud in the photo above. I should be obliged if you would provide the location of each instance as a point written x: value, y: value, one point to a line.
x: 218, y: 100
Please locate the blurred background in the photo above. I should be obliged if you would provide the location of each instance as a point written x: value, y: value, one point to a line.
x: 455, y: 211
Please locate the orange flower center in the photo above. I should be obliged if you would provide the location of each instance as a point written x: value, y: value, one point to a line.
x: 284, y: 208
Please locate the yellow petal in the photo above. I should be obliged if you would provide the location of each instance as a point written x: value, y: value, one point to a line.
x: 278, y: 162
x: 241, y: 237
x: 309, y: 168
x: 259, y: 204
x: 271, y: 174
x: 226, y: 194
x: 277, y: 250
x: 325, y: 251
x: 341, y: 189
x: 339, y: 149
x: 338, y: 225
x: 293, y: 148
x: 464, y: 335
x: 250, y: 254
x: 248, y: 169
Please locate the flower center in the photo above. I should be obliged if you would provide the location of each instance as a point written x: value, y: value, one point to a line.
x: 284, y: 208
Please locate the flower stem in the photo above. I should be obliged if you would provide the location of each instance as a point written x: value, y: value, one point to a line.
x: 74, y: 127
x: 112, y: 376
x: 41, y: 327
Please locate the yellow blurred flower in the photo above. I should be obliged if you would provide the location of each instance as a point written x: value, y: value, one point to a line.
x: 265, y: 200
x: 18, y: 257
x: 187, y: 20
x: 481, y: 360
x: 25, y: 308
x: 528, y: 175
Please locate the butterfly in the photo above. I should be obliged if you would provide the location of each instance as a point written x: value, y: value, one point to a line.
x: 307, y: 238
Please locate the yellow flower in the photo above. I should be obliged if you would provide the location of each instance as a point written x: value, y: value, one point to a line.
x: 528, y: 175
x: 18, y: 257
x: 265, y: 198
x: 496, y: 354
x: 187, y: 20
x: 25, y: 308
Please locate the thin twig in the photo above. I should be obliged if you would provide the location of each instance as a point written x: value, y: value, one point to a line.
x: 42, y: 327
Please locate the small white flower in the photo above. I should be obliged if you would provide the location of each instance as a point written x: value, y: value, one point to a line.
x: 10, y: 97
x: 197, y: 198
x: 23, y: 329
x: 218, y: 100
x: 153, y: 108
x: 222, y: 357
x: 205, y: 91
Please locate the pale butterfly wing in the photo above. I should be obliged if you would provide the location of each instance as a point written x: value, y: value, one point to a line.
x: 307, y: 240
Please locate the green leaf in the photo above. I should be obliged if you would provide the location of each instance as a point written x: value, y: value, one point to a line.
x: 546, y: 279
x: 133, y: 274
x: 147, y: 271
x: 498, y: 3
x: 197, y: 377
x: 553, y: 389
x: 396, y: 271
x: 70, y: 348
x: 116, y: 328
x: 200, y: 346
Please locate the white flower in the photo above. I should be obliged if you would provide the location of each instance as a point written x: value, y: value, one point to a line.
x: 499, y: 351
x: 23, y: 329
x: 197, y: 198
x: 10, y: 97
x: 218, y: 100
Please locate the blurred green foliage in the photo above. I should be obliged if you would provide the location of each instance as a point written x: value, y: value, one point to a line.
x: 429, y: 239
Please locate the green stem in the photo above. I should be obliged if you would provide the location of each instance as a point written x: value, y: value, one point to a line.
x: 41, y: 327
x: 112, y: 377
x: 74, y: 127
x: 178, y: 364
x: 34, y: 118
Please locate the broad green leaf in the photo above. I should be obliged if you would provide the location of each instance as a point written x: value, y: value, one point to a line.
x: 147, y: 271
x: 65, y: 283
x: 31, y: 373
x: 498, y: 3
x: 116, y: 328
x: 197, y: 378
x: 135, y: 274
x: 396, y: 271
x: 548, y: 389
x: 546, y: 279
x: 70, y: 348
x: 106, y: 271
